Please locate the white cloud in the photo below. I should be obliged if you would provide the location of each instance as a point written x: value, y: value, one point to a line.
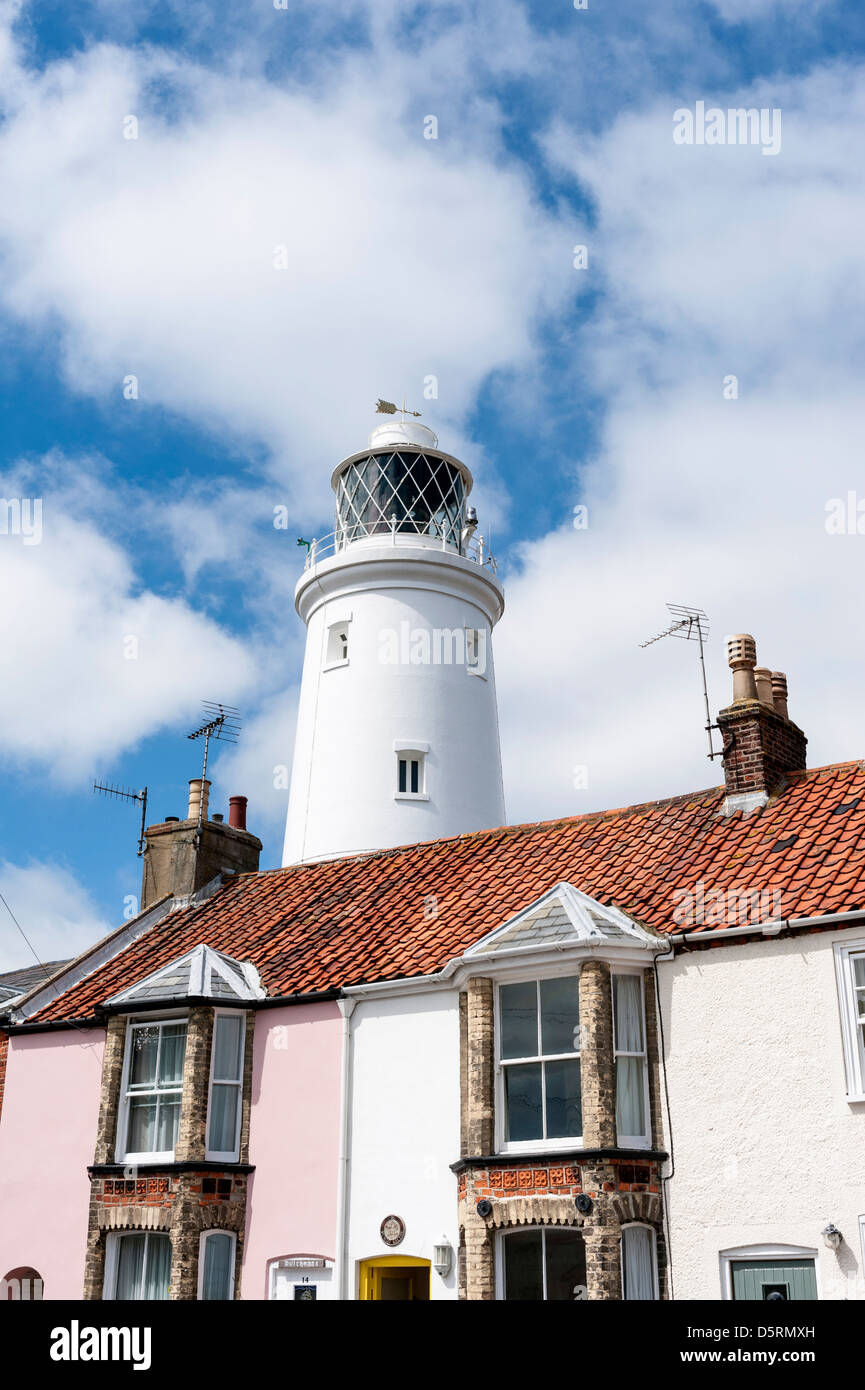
x: 56, y: 914
x: 405, y: 257
x: 713, y: 263
x: 92, y: 662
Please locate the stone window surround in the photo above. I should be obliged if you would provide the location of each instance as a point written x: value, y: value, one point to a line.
x: 185, y: 1212
x: 595, y: 1162
x: 478, y: 1070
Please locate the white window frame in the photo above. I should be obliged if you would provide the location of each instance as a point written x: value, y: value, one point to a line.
x: 530, y: 1146
x: 633, y: 1141
x: 533, y: 1226
x: 763, y: 1252
x: 416, y: 751
x: 851, y: 1031
x: 205, y: 1235
x: 226, y: 1155
x: 629, y: 1225
x: 121, y: 1154
x: 112, y: 1260
x: 331, y: 636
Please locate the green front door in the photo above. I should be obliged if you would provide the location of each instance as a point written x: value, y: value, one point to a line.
x: 794, y: 1280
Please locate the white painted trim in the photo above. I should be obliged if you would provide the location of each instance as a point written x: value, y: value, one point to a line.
x: 761, y: 1252
x: 415, y: 746
x: 827, y: 919
x: 227, y: 1155
x: 862, y: 1238
x: 120, y: 1154
x: 216, y: 1231
x: 627, y: 1226
x: 112, y: 1259
x: 851, y: 1037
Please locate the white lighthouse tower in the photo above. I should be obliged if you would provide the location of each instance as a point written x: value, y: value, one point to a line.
x: 397, y: 730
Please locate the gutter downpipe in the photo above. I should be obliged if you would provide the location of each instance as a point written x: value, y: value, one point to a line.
x: 346, y: 1008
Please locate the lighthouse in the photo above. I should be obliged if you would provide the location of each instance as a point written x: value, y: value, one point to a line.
x: 397, y: 730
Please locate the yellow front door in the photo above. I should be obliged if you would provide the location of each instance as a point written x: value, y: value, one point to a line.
x: 398, y: 1278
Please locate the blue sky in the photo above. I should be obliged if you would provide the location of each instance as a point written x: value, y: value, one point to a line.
x: 303, y: 128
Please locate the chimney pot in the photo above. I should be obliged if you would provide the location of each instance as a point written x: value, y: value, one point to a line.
x: 237, y: 812
x: 779, y: 693
x: 763, y: 681
x: 218, y: 817
x: 199, y: 794
x: 171, y: 818
x: 742, y: 658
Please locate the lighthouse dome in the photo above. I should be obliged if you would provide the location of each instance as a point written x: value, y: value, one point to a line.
x: 403, y: 432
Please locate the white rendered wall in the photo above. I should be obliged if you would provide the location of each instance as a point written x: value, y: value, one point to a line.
x: 768, y: 1151
x: 349, y: 717
x: 405, y: 1130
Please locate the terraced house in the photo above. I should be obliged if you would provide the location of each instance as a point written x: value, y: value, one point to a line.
x: 614, y: 1056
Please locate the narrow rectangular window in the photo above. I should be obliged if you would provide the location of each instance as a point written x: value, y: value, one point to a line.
x: 216, y: 1266
x: 154, y: 1087
x: 410, y: 774
x: 850, y: 968
x: 630, y: 1054
x: 539, y: 1058
x: 639, y: 1263
x: 336, y: 646
x: 226, y: 1083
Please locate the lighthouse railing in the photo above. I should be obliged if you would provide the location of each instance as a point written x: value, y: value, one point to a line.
x: 472, y: 548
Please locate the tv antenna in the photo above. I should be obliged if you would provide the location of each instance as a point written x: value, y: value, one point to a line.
x: 124, y: 794
x: 692, y: 625
x: 221, y: 722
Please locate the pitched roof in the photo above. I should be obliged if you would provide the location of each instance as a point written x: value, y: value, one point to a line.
x: 408, y: 911
x: 15, y: 982
x: 563, y: 917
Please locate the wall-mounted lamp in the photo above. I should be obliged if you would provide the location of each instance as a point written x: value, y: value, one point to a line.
x: 443, y: 1257
x: 832, y: 1236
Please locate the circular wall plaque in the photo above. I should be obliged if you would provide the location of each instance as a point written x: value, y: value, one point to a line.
x: 392, y: 1230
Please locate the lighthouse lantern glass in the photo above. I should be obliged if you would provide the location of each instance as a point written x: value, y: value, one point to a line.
x: 404, y: 491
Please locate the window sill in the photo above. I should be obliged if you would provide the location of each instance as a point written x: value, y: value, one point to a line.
x: 528, y: 1147
x: 410, y: 796
x: 479, y: 675
x: 332, y: 665
x: 856, y: 1100
x: 139, y: 1160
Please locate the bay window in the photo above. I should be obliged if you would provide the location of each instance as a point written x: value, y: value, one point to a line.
x: 543, y: 1263
x: 152, y: 1090
x: 629, y: 1042
x: 639, y: 1263
x: 539, y: 1061
x: 226, y: 1084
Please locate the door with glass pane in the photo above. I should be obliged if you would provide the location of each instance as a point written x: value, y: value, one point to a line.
x: 787, y: 1280
x: 143, y: 1266
x: 543, y: 1263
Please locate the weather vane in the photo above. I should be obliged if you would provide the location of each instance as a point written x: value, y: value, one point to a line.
x: 388, y: 408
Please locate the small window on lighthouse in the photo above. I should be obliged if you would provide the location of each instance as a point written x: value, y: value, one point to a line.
x: 410, y: 780
x: 336, y: 653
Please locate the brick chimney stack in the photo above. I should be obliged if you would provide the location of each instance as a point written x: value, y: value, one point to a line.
x: 173, y: 863
x: 761, y: 743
